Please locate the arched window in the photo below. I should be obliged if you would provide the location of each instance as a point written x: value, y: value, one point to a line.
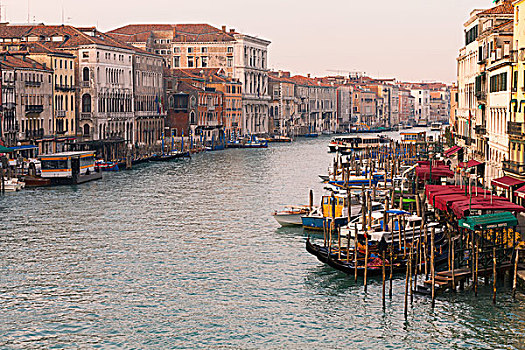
x: 86, y: 103
x: 85, y: 74
x: 86, y: 130
x: 192, y: 118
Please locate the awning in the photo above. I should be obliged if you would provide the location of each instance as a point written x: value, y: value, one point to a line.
x: 489, y: 221
x: 452, y: 151
x: 484, y: 204
x: 507, y: 182
x: 5, y: 149
x: 470, y: 164
x: 423, y: 172
x: 520, y: 192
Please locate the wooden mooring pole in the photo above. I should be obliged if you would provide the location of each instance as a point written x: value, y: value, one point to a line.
x: 515, y: 277
x: 494, y: 275
x: 432, y: 268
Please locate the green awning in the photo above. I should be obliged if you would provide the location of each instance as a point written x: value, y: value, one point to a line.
x: 5, y: 149
x: 489, y: 221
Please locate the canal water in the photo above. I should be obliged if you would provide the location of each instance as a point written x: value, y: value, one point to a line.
x: 187, y: 255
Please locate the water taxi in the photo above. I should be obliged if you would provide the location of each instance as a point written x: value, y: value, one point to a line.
x: 347, y: 144
x: 69, y: 168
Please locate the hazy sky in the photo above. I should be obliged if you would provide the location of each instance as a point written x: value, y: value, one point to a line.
x: 408, y: 39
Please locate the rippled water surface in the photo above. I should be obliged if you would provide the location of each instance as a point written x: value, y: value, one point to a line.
x: 187, y: 255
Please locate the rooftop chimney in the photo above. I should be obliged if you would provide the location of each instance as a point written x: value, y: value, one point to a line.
x: 224, y: 29
x: 308, y: 75
x: 232, y: 30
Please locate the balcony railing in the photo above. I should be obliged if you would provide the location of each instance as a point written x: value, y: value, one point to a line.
x: 34, y: 109
x: 61, y: 114
x: 516, y: 168
x: 85, y: 84
x: 65, y: 87
x: 8, y: 85
x: 480, y: 129
x: 33, y: 83
x: 85, y: 115
x: 515, y: 129
x: 34, y: 134
x: 481, y: 95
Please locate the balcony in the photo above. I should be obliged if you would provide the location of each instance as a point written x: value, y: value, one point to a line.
x: 64, y: 87
x: 34, y: 134
x: 515, y: 129
x: 33, y: 83
x: 516, y: 168
x: 61, y: 114
x: 8, y: 106
x: 34, y: 109
x: 8, y: 85
x: 480, y: 129
x: 481, y: 95
x: 85, y: 84
x: 85, y: 116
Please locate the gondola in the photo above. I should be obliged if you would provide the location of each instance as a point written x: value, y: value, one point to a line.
x: 399, y: 265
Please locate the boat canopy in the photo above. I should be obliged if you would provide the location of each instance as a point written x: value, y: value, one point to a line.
x: 398, y: 212
x: 507, y: 182
x: 489, y: 221
x: 5, y: 149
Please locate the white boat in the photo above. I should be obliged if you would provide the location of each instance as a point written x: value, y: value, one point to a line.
x: 291, y: 216
x: 13, y: 185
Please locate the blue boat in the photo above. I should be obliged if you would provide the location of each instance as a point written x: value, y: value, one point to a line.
x: 332, y: 210
x: 317, y: 223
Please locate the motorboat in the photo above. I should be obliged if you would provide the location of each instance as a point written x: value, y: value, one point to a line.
x: 291, y: 216
x: 13, y: 185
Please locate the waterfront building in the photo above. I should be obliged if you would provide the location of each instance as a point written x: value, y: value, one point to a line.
x: 283, y: 103
x: 189, y: 46
x: 195, y: 107
x: 64, y: 87
x: 106, y: 71
x: 27, y: 95
x: 421, y: 105
x: 515, y: 164
x: 471, y: 112
x: 406, y: 105
x: 148, y: 99
x: 494, y: 93
x: 453, y: 107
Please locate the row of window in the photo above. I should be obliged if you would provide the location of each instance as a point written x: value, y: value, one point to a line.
x: 63, y: 64
x: 498, y: 82
x: 62, y: 103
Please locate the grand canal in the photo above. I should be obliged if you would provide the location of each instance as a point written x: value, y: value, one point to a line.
x: 187, y: 255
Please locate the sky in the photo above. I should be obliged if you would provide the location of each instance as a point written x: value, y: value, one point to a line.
x: 411, y: 40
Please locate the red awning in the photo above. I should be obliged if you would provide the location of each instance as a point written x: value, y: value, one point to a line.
x: 423, y: 172
x: 485, y: 204
x: 452, y: 151
x: 470, y: 164
x: 520, y: 192
x: 506, y: 182
x: 442, y: 201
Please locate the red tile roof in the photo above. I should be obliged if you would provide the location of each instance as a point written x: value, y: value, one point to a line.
x: 178, y: 32
x: 505, y: 8
x: 8, y: 61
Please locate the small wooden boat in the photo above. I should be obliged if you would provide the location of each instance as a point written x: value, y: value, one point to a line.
x: 173, y: 155
x: 36, y: 181
x: 13, y: 185
x: 291, y: 216
x: 101, y: 165
x: 279, y: 138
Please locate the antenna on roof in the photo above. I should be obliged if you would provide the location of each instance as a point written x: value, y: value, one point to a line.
x: 28, y: 8
x: 62, y: 12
